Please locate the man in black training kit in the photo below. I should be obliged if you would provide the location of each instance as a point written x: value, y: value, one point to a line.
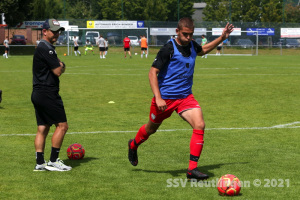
x: 49, y: 108
x: 171, y: 80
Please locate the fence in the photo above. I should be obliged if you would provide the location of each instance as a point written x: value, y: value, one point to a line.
x: 264, y: 42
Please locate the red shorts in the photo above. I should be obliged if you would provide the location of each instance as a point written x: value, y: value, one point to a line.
x: 179, y: 105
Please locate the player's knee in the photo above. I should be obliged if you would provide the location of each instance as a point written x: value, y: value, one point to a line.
x: 150, y: 131
x: 64, y: 127
x: 200, y: 125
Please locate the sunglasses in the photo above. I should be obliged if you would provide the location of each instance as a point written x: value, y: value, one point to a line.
x: 56, y: 32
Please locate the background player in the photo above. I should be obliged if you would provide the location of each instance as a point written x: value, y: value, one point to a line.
x: 204, y: 42
x: 88, y: 47
x: 106, y: 46
x: 219, y: 47
x: 6, y: 44
x: 76, y: 46
x: 144, y: 46
x: 101, y: 43
x: 127, y: 44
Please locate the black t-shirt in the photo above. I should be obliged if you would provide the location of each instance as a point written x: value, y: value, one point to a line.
x: 166, y: 52
x: 44, y: 60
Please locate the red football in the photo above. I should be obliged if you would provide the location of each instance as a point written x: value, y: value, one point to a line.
x: 229, y: 185
x: 75, y: 151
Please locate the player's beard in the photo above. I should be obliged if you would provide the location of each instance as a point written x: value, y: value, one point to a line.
x: 53, y: 39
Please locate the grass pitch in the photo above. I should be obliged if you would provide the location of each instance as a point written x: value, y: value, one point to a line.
x: 250, y: 105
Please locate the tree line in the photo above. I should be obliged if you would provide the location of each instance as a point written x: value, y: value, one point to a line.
x: 150, y: 10
x: 287, y: 11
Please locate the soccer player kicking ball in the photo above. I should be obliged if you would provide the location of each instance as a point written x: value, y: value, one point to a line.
x: 171, y: 80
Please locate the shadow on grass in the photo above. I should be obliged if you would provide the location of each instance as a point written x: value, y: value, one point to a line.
x: 177, y: 173
x: 77, y: 163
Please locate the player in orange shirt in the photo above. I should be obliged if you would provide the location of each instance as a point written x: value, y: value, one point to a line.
x: 144, y: 46
x: 126, y: 43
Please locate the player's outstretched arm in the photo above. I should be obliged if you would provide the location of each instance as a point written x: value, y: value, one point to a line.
x: 213, y: 44
x: 226, y: 31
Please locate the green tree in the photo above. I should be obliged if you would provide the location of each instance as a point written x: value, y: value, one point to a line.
x: 160, y: 10
x: 243, y: 10
x: 271, y: 11
x: 38, y: 8
x: 43, y: 9
x: 185, y: 9
x: 246, y: 10
x: 15, y: 10
x: 54, y: 9
x: 95, y: 9
x: 155, y: 11
x: 144, y: 10
x: 81, y: 9
x: 216, y: 10
x: 292, y: 13
x: 111, y: 10
x: 134, y: 9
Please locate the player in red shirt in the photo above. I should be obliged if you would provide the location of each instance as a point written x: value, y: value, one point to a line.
x: 126, y: 43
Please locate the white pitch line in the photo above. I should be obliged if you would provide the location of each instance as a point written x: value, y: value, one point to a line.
x: 220, y: 68
x: 81, y: 73
x: 247, y: 74
x: 280, y: 126
x: 201, y: 74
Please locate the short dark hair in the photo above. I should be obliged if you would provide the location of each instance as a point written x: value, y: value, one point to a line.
x: 185, y: 22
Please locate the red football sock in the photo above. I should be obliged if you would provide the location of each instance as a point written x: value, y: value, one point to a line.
x: 140, y: 137
x: 196, y: 146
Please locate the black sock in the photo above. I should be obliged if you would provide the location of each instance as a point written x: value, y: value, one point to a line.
x: 39, y: 158
x: 54, y: 154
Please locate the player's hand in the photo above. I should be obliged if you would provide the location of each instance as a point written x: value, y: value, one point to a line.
x: 161, y: 104
x: 227, y: 30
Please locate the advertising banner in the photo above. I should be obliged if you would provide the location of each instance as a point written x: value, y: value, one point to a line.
x: 115, y: 24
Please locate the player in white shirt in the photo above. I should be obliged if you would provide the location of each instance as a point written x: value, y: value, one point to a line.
x: 76, y: 45
x: 101, y: 43
x: 106, y: 46
x: 6, y: 41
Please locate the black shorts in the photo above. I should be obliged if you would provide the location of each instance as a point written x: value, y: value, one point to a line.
x: 106, y: 48
x: 126, y: 49
x: 49, y: 108
x: 144, y: 49
x: 75, y: 48
x: 101, y: 48
x: 219, y: 48
x: 7, y: 49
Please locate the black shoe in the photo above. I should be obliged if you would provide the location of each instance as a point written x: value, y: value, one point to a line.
x: 132, y: 154
x: 196, y: 174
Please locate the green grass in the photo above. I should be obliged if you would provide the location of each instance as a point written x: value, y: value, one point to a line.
x: 242, y: 99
